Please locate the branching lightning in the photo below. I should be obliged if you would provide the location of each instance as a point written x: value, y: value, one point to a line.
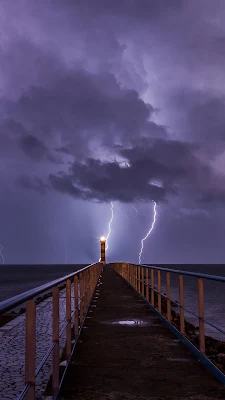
x: 150, y: 230
x: 120, y: 209
x: 109, y: 231
x: 156, y: 78
x: 1, y: 255
x: 135, y: 209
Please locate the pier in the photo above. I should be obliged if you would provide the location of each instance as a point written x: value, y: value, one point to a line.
x: 109, y: 332
x: 125, y: 352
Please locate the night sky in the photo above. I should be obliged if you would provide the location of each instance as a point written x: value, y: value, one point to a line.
x: 112, y: 100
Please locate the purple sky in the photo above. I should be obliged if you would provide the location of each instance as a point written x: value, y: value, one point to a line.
x: 119, y: 101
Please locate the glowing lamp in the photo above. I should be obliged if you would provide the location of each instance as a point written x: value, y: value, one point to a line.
x: 102, y: 249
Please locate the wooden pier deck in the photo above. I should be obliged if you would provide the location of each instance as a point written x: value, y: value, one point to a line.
x: 125, y: 352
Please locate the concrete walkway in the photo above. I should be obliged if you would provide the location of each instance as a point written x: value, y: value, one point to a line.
x: 12, y: 345
x: 125, y: 352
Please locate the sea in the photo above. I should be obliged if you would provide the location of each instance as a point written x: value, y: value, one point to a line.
x: 214, y: 296
x: 15, y: 279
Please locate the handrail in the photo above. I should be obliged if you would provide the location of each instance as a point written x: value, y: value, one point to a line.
x: 163, y: 267
x: 142, y: 279
x: 188, y: 311
x: 182, y: 272
x: 12, y: 302
x: 79, y: 288
x: 186, y: 273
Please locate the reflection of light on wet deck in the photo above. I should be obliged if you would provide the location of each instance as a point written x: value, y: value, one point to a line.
x: 129, y: 322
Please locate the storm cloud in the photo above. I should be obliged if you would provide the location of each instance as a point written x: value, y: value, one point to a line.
x: 113, y: 101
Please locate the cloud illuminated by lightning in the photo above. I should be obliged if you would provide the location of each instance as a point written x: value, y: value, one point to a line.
x: 1, y: 255
x: 150, y: 230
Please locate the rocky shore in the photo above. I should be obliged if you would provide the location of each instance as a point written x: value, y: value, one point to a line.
x: 215, y: 349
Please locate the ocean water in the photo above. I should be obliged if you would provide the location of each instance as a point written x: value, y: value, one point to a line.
x: 15, y: 279
x: 214, y: 296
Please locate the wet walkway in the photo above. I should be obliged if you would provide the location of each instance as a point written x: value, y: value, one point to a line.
x: 125, y: 352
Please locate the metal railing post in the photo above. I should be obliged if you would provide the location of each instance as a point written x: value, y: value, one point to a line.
x: 159, y: 291
x: 136, y: 277
x: 168, y: 296
x: 55, y: 339
x: 30, y: 356
x: 201, y: 316
x: 181, y: 301
x: 152, y: 288
x: 139, y: 279
x: 68, y: 319
x: 85, y: 291
x: 143, y: 281
x: 89, y: 286
x: 147, y: 287
x: 76, y: 311
x: 81, y: 298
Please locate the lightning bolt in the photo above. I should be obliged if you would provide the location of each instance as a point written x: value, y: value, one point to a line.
x: 109, y: 231
x: 137, y: 212
x: 150, y: 230
x: 156, y: 78
x: 1, y: 255
x: 119, y: 209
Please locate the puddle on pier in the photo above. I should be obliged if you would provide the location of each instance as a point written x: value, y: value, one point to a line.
x: 63, y: 363
x: 179, y: 359
x: 175, y: 342
x: 130, y: 322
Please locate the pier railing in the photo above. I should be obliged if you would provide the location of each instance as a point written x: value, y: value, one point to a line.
x: 147, y: 281
x: 82, y: 284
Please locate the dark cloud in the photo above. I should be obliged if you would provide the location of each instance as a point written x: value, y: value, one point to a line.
x: 202, y: 119
x: 89, y: 86
x: 107, y: 183
x: 64, y: 150
x: 80, y: 108
x: 171, y: 163
x: 64, y: 184
x: 34, y: 148
x: 144, y: 11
